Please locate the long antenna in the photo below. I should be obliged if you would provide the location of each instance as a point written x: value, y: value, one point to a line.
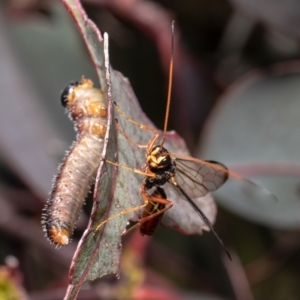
x: 170, y: 86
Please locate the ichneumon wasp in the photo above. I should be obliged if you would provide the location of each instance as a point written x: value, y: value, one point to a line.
x: 190, y: 177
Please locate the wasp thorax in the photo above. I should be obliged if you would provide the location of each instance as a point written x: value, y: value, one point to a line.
x: 159, y: 157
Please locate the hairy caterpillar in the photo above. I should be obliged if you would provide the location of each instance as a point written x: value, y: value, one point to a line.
x: 88, y: 110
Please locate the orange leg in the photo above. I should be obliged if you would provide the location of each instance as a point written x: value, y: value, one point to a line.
x: 150, y: 145
x: 137, y: 171
x: 146, y: 198
x: 166, y: 202
x: 123, y: 212
x: 127, y: 211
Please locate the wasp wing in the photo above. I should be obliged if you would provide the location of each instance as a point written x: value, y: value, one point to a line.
x: 195, y: 178
x: 198, y: 177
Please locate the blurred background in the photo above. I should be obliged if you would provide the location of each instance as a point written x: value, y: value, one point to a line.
x: 235, y: 100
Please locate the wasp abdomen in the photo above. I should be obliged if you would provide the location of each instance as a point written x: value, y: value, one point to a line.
x: 152, y: 207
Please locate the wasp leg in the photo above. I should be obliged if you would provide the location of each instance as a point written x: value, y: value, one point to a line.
x: 155, y: 200
x: 123, y: 212
x: 149, y: 146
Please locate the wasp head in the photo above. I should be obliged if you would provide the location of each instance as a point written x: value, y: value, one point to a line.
x: 159, y: 158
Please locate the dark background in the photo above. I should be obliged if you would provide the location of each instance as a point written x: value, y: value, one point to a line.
x: 235, y: 100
